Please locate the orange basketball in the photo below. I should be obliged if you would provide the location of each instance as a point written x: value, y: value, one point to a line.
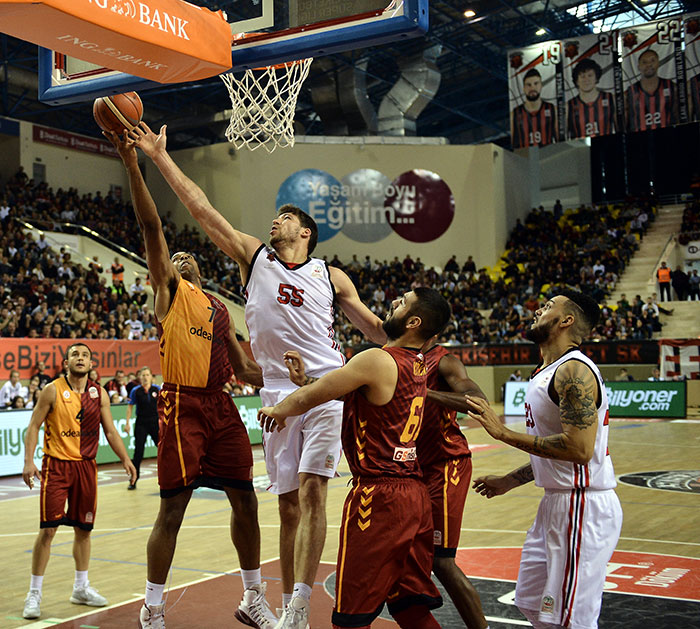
x: 118, y: 112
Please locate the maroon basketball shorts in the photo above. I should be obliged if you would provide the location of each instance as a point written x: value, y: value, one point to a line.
x: 203, y: 442
x: 386, y: 551
x: 74, y: 482
x: 447, y: 481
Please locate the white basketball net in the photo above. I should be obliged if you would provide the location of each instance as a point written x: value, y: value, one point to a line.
x: 264, y: 101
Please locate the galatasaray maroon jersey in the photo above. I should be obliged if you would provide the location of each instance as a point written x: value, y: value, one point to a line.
x: 72, y: 428
x: 651, y: 111
x: 534, y: 129
x: 440, y: 437
x: 194, y: 338
x: 591, y: 119
x: 380, y: 440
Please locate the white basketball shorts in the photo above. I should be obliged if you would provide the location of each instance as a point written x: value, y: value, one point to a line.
x: 309, y: 443
x: 566, y: 552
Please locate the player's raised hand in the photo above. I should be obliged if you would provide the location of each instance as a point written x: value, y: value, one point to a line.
x: 491, y: 486
x: 270, y: 420
x: 147, y: 141
x: 29, y: 473
x: 126, y: 147
x: 295, y: 365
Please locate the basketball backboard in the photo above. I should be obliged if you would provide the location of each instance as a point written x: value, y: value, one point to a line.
x: 265, y: 32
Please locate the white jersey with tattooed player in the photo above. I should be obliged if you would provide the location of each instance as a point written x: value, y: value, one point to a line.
x: 290, y: 308
x: 543, y: 418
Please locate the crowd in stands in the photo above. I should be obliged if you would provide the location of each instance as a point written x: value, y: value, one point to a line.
x: 690, y: 228
x: 45, y: 294
x: 586, y: 249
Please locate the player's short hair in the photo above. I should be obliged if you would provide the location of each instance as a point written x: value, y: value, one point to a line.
x: 648, y: 51
x: 433, y: 310
x: 70, y: 347
x: 144, y: 368
x: 585, y: 66
x: 532, y: 72
x: 585, y: 310
x: 305, y: 221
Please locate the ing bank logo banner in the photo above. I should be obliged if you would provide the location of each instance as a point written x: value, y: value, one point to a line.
x: 366, y: 206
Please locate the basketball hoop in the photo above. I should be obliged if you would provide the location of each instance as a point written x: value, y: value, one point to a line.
x: 264, y: 101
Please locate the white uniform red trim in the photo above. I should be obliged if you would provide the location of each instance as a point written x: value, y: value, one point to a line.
x: 566, y: 551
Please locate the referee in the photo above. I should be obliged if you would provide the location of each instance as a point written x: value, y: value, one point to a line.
x: 145, y: 398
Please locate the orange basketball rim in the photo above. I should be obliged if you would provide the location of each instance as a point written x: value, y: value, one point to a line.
x: 168, y: 41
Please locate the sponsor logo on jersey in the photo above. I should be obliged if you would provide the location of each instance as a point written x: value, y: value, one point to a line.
x: 437, y: 538
x: 404, y: 454
x: 93, y: 392
x: 547, y: 604
x: 687, y: 481
x: 317, y: 271
x: 80, y: 433
x: 330, y: 462
x: 89, y: 517
x: 66, y: 395
x: 200, y: 331
x: 419, y: 368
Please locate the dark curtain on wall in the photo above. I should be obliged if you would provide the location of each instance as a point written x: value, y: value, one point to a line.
x: 663, y: 161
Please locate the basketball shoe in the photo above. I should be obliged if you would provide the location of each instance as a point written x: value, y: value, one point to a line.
x: 295, y: 615
x: 152, y: 616
x: 254, y: 610
x: 31, y: 605
x: 87, y: 595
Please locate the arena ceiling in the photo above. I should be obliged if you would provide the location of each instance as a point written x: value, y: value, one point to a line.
x: 470, y: 106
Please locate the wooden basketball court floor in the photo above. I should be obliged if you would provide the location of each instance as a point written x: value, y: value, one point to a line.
x: 653, y: 579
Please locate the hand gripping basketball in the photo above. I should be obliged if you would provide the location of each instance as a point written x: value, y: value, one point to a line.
x: 118, y: 112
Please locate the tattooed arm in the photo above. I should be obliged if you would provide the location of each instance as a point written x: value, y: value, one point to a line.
x: 491, y: 486
x: 577, y: 389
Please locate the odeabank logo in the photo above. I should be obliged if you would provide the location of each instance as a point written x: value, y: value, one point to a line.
x: 80, y: 433
x: 200, y: 331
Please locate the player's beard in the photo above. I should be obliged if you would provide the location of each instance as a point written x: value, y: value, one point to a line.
x: 540, y: 333
x: 395, y: 326
x: 532, y: 96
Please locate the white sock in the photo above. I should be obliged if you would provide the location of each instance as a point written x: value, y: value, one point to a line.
x: 285, y: 599
x: 250, y: 578
x: 36, y: 582
x: 303, y: 590
x: 154, y: 593
x: 81, y: 579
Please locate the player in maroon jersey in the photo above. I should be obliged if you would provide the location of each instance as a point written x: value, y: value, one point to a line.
x: 592, y: 111
x: 445, y: 458
x: 534, y: 123
x: 651, y: 102
x: 385, y: 552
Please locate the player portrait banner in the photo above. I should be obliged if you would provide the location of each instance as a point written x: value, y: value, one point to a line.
x: 691, y: 28
x: 535, y: 84
x: 680, y: 358
x: 592, y: 85
x: 23, y: 354
x: 653, y: 75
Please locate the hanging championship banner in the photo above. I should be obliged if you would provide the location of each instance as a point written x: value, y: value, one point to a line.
x: 692, y: 63
x: 535, y: 84
x: 653, y: 75
x: 593, y: 85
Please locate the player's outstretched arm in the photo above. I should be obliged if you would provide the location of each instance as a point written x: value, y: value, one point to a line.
x: 577, y: 389
x: 245, y: 369
x: 232, y: 242
x: 360, y: 315
x: 455, y: 374
x: 113, y: 438
x: 161, y: 270
x: 491, y: 486
x: 44, y: 403
x: 372, y: 368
